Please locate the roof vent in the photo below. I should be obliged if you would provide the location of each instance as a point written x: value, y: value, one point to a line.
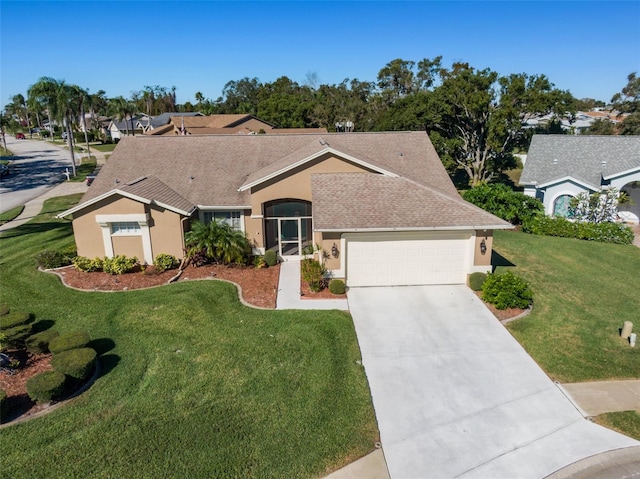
x: 555, y: 161
x: 603, y: 163
x: 323, y: 141
x: 400, y: 154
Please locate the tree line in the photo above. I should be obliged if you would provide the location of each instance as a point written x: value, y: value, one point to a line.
x: 475, y: 117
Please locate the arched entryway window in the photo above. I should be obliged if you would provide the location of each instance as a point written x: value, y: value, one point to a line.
x: 562, y: 206
x: 629, y: 207
x: 288, y: 226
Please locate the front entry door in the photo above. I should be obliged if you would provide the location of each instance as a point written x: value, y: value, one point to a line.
x: 289, y: 234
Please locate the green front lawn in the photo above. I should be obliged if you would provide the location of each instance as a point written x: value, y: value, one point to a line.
x: 11, y: 214
x: 583, y: 293
x: 105, y: 148
x: 193, y: 384
x: 626, y: 422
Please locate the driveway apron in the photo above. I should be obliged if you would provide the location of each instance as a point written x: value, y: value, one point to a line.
x: 456, y: 396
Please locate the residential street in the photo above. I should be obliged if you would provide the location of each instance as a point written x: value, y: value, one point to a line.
x: 37, y: 167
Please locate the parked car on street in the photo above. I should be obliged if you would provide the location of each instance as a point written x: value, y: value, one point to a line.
x: 4, y: 170
x: 20, y: 136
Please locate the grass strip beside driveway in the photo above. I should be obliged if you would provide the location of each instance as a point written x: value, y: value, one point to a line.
x: 583, y: 293
x: 194, y: 383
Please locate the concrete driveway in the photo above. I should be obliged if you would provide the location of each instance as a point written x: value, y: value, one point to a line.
x: 456, y: 396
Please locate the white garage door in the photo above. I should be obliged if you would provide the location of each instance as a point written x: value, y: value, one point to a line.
x: 401, y: 259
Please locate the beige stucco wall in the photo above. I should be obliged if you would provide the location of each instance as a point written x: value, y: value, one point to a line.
x: 87, y: 232
x: 478, y: 258
x: 326, y: 242
x: 165, y: 229
x: 295, y: 184
x: 167, y: 235
x: 129, y: 246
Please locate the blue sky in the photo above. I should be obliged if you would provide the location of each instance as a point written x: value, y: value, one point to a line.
x: 587, y: 47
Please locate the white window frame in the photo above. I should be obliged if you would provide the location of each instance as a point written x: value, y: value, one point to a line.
x: 125, y: 228
x: 237, y: 215
x: 106, y: 222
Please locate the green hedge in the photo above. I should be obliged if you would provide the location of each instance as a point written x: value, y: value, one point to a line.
x: 500, y: 200
x: 476, y: 280
x: 271, y: 258
x: 46, y: 386
x: 49, y: 259
x: 164, y: 262
x: 119, y: 264
x: 603, y: 232
x: 87, y: 265
x: 336, y: 286
x: 39, y: 343
x: 12, y: 320
x: 76, y: 363
x: 15, y: 337
x: 507, y: 291
x: 65, y: 342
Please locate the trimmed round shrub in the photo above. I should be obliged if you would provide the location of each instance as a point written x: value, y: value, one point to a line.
x: 4, y: 309
x: 12, y: 320
x: 336, y: 286
x: 507, y: 291
x: 15, y: 337
x: 39, y: 343
x: 271, y: 258
x: 476, y: 280
x: 65, y: 342
x: 165, y: 261
x: 76, y: 363
x: 46, y: 386
x: 3, y: 404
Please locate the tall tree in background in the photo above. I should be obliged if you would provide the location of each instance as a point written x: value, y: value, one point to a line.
x: 241, y: 96
x: 628, y: 101
x: 480, y: 116
x: 44, y: 91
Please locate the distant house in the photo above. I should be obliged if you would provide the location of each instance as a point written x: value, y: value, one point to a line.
x: 154, y: 122
x: 559, y: 167
x: 131, y: 126
x: 224, y: 124
x: 381, y: 206
x: 580, y: 123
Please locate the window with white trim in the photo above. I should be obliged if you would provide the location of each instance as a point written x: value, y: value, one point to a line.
x: 125, y: 228
x: 232, y: 218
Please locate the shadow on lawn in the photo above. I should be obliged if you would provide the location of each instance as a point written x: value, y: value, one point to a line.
x: 32, y: 228
x: 498, y: 260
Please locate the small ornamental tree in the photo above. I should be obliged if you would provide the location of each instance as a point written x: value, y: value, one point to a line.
x: 598, y: 207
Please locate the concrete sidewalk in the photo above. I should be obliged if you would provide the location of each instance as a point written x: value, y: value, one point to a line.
x: 599, y: 397
x: 289, y: 291
x: 32, y: 208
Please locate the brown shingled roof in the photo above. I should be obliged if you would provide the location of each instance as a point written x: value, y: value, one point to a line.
x: 209, y: 170
x: 365, y: 201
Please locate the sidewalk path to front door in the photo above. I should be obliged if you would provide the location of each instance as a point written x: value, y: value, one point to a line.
x: 289, y: 291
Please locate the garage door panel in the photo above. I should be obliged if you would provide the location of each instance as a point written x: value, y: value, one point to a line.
x: 382, y: 262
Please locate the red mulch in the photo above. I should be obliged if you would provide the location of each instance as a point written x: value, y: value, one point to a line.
x: 15, y: 384
x: 306, y: 293
x: 501, y: 314
x: 259, y: 286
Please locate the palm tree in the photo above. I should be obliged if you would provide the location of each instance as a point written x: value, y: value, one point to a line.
x: 44, y: 92
x: 80, y: 99
x: 120, y: 108
x: 218, y: 241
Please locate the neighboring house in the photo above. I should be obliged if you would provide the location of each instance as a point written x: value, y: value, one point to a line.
x: 224, y: 124
x: 379, y: 205
x: 118, y: 129
x: 559, y: 167
x: 580, y: 123
x: 154, y: 122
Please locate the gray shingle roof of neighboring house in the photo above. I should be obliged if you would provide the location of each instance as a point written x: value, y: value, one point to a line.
x: 362, y: 201
x: 585, y: 158
x: 209, y: 170
x: 123, y: 125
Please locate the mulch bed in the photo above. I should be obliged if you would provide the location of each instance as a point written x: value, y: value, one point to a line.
x: 259, y: 286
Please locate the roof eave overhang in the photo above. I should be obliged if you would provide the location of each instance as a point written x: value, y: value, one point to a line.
x: 420, y: 228
x: 116, y: 191
x: 621, y: 173
x: 568, y: 178
x: 313, y: 157
x: 224, y: 208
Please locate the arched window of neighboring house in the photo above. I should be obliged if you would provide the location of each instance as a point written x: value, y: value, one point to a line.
x: 561, y: 206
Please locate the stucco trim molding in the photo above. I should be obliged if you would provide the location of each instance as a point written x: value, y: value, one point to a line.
x: 142, y: 219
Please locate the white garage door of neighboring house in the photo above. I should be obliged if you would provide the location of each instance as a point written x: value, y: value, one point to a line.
x: 403, y: 259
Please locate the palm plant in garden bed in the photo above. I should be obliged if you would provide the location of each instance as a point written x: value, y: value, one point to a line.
x: 216, y: 242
